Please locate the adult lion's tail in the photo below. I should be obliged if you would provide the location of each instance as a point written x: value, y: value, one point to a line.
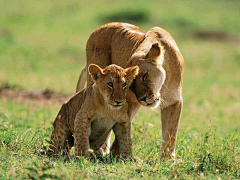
x: 82, y: 79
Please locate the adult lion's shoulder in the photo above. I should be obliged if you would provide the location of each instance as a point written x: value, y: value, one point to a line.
x: 112, y: 43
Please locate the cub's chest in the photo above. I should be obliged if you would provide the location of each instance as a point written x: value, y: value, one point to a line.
x: 100, y: 127
x: 100, y: 122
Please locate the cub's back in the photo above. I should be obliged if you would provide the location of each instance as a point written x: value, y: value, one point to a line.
x: 72, y: 106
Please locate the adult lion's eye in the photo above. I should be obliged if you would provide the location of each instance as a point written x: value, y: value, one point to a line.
x: 110, y: 85
x: 144, y: 76
x: 124, y: 85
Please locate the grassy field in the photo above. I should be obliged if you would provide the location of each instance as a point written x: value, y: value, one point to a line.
x: 42, y: 46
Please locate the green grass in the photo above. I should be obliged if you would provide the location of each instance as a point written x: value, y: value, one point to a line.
x: 42, y: 45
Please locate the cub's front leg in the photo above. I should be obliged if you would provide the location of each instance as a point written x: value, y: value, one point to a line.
x: 81, y: 133
x: 123, y: 138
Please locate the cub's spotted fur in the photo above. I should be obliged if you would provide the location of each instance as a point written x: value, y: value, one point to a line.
x: 92, y: 113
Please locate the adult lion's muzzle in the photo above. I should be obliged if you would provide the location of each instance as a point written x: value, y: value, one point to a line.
x: 150, y: 101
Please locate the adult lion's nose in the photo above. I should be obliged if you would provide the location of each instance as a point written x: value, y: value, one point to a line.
x: 144, y: 99
x: 118, y: 102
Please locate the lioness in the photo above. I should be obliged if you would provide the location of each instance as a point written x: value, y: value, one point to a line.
x: 92, y: 113
x: 160, y: 70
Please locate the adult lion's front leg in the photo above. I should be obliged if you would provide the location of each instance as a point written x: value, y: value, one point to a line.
x: 170, y: 117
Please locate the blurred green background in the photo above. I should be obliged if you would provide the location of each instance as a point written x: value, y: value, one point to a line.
x: 42, y: 45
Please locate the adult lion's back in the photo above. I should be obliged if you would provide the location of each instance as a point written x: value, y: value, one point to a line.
x: 113, y: 43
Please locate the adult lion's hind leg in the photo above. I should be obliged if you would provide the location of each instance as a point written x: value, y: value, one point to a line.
x: 170, y: 121
x: 82, y: 79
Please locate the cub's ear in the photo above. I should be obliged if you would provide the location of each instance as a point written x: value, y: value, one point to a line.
x: 154, y: 52
x: 95, y: 71
x: 131, y: 73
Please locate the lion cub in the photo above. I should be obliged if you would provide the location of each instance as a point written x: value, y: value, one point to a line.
x: 92, y: 113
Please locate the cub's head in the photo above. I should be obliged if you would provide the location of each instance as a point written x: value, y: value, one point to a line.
x: 151, y: 76
x: 113, y: 82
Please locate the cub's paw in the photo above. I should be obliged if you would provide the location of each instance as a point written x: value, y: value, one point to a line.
x: 89, y: 155
x: 45, y: 152
x: 42, y: 152
x: 101, y: 152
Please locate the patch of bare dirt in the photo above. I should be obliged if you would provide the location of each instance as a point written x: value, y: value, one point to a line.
x: 40, y: 96
x: 216, y: 36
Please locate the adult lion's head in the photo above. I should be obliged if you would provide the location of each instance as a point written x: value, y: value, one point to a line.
x: 148, y: 83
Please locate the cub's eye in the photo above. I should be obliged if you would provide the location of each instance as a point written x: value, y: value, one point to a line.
x: 110, y: 85
x: 124, y: 85
x: 144, y: 76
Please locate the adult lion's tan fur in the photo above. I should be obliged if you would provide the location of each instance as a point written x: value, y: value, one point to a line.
x: 160, y: 70
x: 92, y: 113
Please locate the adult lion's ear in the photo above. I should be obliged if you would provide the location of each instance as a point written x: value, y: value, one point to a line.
x: 95, y: 71
x: 154, y: 52
x: 131, y: 73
